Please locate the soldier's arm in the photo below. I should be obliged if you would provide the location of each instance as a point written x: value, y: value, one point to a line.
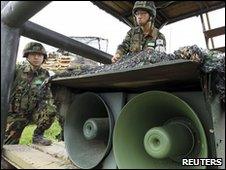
x: 45, y: 93
x: 162, y: 37
x: 46, y: 87
x: 125, y: 46
x: 17, y: 68
x: 47, y: 100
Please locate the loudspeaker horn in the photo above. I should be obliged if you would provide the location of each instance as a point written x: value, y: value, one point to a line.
x: 88, y: 130
x: 156, y: 130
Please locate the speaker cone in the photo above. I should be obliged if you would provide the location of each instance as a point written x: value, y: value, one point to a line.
x: 157, y: 130
x: 88, y: 130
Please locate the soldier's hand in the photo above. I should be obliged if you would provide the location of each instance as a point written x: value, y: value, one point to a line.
x: 115, y: 58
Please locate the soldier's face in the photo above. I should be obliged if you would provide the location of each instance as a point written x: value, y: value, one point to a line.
x: 35, y: 59
x: 142, y: 17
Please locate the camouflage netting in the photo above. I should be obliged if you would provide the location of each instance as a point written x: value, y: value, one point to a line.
x: 214, y: 62
x: 210, y: 62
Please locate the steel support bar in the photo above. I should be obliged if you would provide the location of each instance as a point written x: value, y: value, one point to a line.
x: 9, y: 46
x: 16, y: 13
x: 42, y: 34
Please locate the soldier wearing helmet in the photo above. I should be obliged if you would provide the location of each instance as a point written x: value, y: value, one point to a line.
x: 33, y: 49
x: 25, y: 104
x: 144, y: 35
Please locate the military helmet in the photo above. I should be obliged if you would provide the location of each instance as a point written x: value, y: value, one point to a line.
x: 148, y: 6
x: 34, y: 47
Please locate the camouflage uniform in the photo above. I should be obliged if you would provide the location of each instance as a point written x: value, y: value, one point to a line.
x: 136, y: 41
x: 25, y: 104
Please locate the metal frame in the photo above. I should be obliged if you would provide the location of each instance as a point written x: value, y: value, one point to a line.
x: 14, y: 22
x: 204, y: 30
x: 39, y: 33
x: 209, y: 33
x: 15, y: 13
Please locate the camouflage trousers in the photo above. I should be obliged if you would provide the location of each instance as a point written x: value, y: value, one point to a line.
x: 16, y: 122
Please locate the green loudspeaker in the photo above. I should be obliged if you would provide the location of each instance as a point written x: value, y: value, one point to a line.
x: 157, y: 130
x: 88, y: 130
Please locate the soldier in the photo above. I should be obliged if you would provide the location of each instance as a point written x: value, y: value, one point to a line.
x: 144, y: 35
x: 29, y: 103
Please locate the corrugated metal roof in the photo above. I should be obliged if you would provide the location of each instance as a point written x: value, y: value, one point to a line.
x: 167, y: 11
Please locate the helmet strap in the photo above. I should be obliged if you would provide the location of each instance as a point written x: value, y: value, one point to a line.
x: 44, y: 59
x: 152, y: 20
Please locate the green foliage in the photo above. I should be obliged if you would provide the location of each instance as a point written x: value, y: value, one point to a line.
x: 51, y: 133
x: 26, y: 137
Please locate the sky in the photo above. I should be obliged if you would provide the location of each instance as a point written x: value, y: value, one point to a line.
x: 83, y: 18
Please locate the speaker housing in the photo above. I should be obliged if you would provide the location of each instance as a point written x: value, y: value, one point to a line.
x: 86, y: 114
x: 180, y: 78
x: 145, y: 111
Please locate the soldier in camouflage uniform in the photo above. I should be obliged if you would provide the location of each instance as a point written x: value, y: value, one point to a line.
x: 28, y: 103
x: 144, y: 35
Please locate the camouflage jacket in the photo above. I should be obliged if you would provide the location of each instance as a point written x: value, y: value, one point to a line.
x: 25, y: 92
x: 136, y: 41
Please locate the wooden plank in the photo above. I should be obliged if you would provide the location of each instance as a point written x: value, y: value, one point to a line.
x: 27, y: 157
x: 222, y: 49
x: 175, y: 11
x: 57, y: 150
x: 215, y: 32
x: 7, y: 164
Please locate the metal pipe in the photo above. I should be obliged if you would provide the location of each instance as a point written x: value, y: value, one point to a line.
x: 9, y: 47
x: 16, y: 13
x: 42, y: 34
